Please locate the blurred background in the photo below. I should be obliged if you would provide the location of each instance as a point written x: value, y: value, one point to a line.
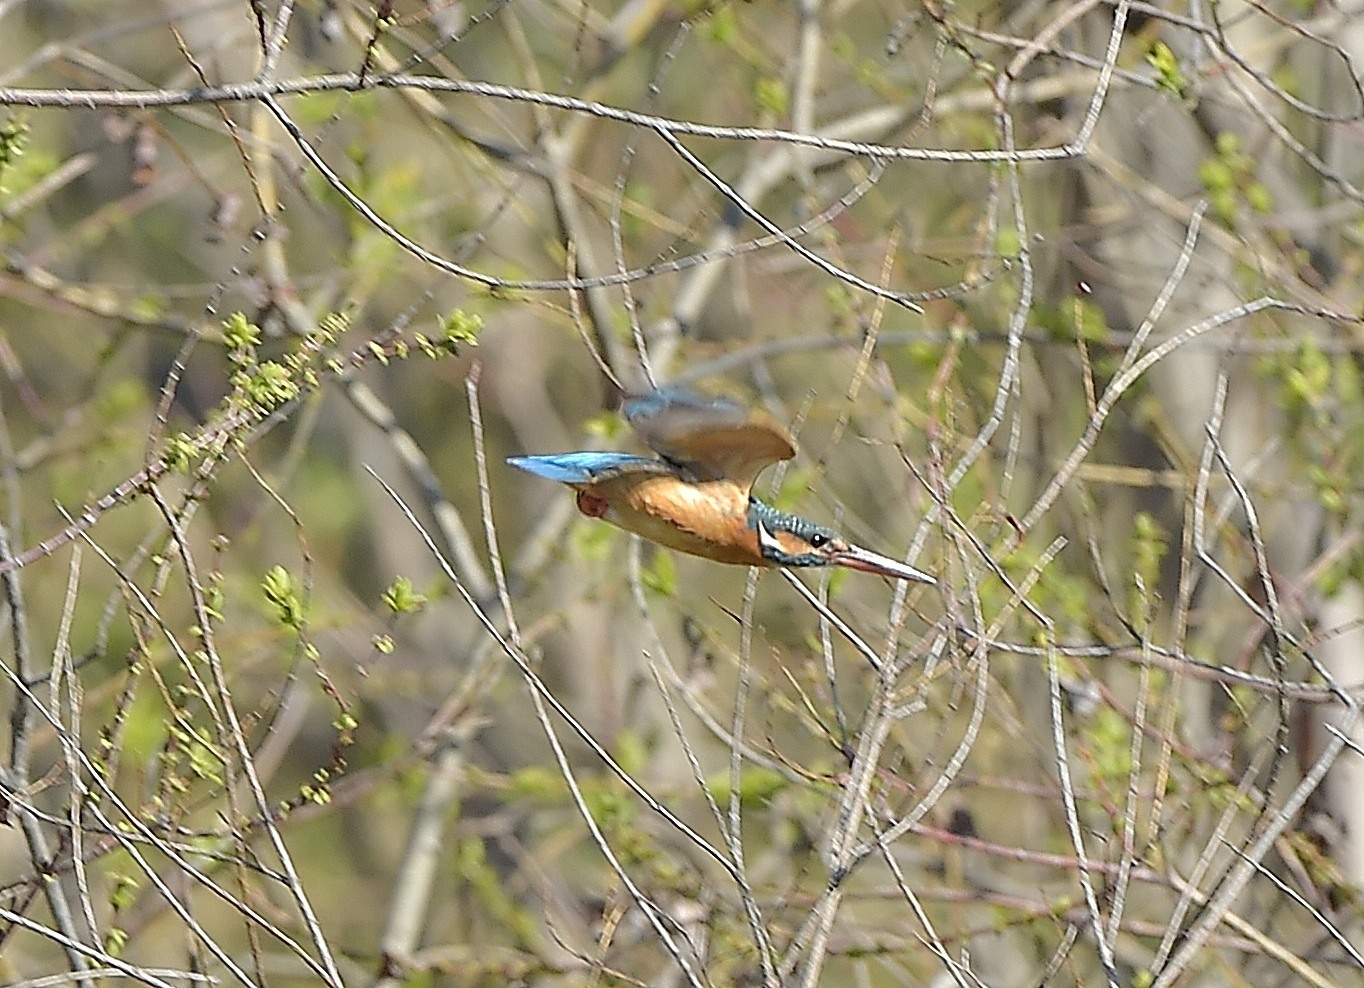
x: 303, y: 684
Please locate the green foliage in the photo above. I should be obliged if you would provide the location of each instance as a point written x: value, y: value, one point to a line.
x: 631, y: 751
x: 268, y: 386
x: 1058, y: 592
x: 537, y: 782
x: 608, y: 426
x: 1321, y: 395
x: 1307, y: 381
x: 795, y: 485
x: 263, y: 385
x: 609, y: 804
x: 1149, y: 546
x: 115, y: 941
x: 461, y: 327
x: 1323, y: 871
x: 1222, y: 793
x: 1079, y: 318
x: 1229, y: 178
x: 282, y: 593
x: 1330, y: 486
x: 241, y: 336
x: 491, y: 892
x: 401, y: 598
x: 640, y: 207
x: 195, y: 754
x: 1007, y: 242
x: 839, y: 300
x: 593, y: 540
x: 660, y: 575
x: 378, y: 351
x: 179, y: 453
x: 1345, y: 567
x: 870, y: 73
x: 318, y: 792
x: 150, y: 306
x: 119, y: 399
x: 13, y: 140
x: 122, y: 890
x: 319, y: 109
x: 1108, y: 741
x: 843, y: 47
x: 332, y: 326
x: 757, y: 785
x: 144, y: 728
x: 838, y: 577
x: 458, y: 328
x: 394, y: 191
x: 214, y: 598
x: 1170, y: 76
x: 724, y: 26
x: 1067, y: 594
x: 772, y: 96
x: 925, y: 356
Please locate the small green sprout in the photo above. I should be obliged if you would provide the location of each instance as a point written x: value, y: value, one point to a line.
x: 282, y: 593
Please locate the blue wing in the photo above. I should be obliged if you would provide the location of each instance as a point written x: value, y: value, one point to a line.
x: 710, y: 438
x: 588, y: 468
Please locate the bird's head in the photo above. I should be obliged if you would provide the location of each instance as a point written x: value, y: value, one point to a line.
x: 789, y: 540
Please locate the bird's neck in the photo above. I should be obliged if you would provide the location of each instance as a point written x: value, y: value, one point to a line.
x: 773, y: 519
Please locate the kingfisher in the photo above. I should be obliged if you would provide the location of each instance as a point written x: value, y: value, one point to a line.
x: 696, y: 495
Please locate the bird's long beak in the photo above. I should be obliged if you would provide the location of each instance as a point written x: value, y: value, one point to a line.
x: 855, y: 557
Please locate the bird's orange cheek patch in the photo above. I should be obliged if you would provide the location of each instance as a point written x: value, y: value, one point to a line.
x: 592, y: 505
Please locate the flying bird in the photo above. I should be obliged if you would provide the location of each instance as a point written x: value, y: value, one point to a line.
x: 696, y: 496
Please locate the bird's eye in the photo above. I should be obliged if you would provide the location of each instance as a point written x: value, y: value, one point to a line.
x: 819, y: 540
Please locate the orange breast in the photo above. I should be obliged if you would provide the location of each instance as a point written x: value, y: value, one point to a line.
x: 708, y: 519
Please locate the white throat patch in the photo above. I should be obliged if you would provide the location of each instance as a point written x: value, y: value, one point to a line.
x: 768, y: 542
